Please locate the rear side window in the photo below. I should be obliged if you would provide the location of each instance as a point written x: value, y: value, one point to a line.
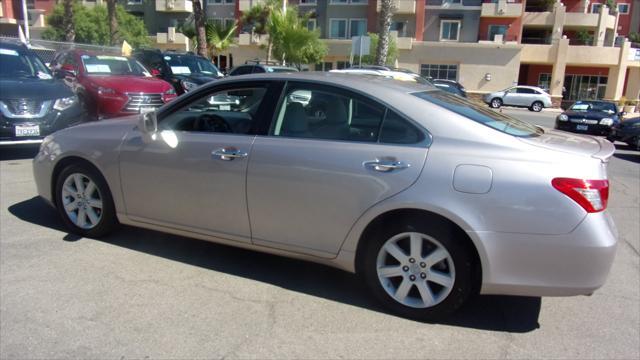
x: 257, y: 69
x: 242, y: 70
x: 480, y: 114
x: 397, y: 130
x: 525, y: 91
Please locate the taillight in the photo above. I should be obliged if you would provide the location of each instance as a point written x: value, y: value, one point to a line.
x: 592, y: 195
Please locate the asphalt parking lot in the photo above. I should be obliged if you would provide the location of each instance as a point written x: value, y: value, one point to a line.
x: 142, y: 294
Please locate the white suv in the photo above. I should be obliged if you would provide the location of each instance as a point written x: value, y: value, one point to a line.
x: 530, y: 97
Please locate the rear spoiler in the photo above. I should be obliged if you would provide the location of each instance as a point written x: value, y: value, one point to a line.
x: 606, y: 149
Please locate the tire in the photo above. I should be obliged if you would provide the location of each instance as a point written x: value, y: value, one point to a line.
x: 495, y: 103
x: 98, y: 220
x: 387, y: 277
x: 537, y: 106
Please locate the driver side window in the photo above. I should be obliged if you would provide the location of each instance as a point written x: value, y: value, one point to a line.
x: 232, y: 111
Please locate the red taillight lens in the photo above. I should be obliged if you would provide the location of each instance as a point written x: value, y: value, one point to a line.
x: 592, y: 195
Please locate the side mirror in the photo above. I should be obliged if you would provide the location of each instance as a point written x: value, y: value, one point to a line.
x: 68, y: 70
x: 148, y: 123
x: 156, y: 73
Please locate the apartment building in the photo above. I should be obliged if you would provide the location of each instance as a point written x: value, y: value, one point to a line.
x: 11, y: 16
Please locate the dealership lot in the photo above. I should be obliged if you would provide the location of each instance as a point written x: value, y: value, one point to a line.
x: 140, y: 293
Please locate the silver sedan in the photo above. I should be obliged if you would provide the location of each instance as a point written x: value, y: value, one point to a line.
x: 426, y: 195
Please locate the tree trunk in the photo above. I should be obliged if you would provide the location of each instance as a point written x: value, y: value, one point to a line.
x: 201, y: 32
x: 386, y: 12
x: 113, y: 22
x: 69, y: 23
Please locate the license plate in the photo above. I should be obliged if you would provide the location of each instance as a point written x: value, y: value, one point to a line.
x: 27, y: 130
x: 146, y: 109
x: 582, y: 127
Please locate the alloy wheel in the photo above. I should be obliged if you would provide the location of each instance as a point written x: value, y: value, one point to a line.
x: 415, y: 270
x: 82, y: 201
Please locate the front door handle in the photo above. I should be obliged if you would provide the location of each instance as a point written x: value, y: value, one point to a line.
x: 385, y: 165
x: 228, y: 154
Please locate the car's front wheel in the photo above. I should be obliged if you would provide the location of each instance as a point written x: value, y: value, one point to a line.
x: 536, y: 106
x: 417, y: 271
x: 496, y: 103
x: 84, y: 201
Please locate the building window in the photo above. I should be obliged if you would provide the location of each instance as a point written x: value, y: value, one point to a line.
x: 359, y: 2
x: 339, y: 2
x: 584, y: 87
x: 438, y: 71
x: 400, y: 27
x: 342, y: 65
x: 338, y: 28
x: 311, y: 24
x: 307, y: 2
x: 451, y: 2
x: 623, y: 8
x: 229, y: 22
x: 345, y: 2
x: 595, y: 8
x: 450, y: 30
x: 544, y: 81
x: 497, y: 30
x: 357, y: 27
x: 325, y: 66
x: 211, y: 2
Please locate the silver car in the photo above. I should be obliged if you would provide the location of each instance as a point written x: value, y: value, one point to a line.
x: 428, y: 196
x: 531, y: 97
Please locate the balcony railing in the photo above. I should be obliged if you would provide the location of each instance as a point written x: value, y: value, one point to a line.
x: 174, y: 6
x: 572, y: 19
x: 501, y: 8
x: 402, y: 6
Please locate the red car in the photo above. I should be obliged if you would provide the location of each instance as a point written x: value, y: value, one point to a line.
x: 111, y: 86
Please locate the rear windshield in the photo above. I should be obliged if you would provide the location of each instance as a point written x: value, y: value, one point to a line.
x: 481, y: 114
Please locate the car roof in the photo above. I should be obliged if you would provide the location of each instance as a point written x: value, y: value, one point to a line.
x: 375, y: 85
x: 11, y: 45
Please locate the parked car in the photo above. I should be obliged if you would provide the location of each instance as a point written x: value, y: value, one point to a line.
x: 451, y: 86
x: 185, y: 71
x: 531, y: 97
x: 593, y: 117
x: 110, y: 86
x: 32, y: 103
x: 627, y: 131
x: 258, y: 67
x: 498, y: 204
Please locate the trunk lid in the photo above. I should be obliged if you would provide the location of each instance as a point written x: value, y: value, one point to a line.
x: 595, y: 147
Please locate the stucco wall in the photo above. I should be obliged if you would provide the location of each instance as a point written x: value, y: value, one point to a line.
x: 468, y: 32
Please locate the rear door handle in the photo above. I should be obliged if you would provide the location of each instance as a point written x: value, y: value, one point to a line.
x: 228, y: 154
x: 385, y: 165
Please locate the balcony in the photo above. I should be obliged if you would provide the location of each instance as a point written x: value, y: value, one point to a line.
x: 576, y: 55
x: 245, y: 5
x: 571, y: 20
x: 252, y: 39
x: 501, y: 9
x: 172, y: 39
x: 174, y: 6
x: 402, y: 6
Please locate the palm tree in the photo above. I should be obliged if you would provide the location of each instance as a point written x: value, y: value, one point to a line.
x: 113, y: 22
x: 258, y: 18
x: 201, y: 32
x: 69, y: 24
x: 386, y: 13
x: 292, y: 40
x: 219, y: 38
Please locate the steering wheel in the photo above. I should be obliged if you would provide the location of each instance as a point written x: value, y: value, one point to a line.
x: 213, y: 123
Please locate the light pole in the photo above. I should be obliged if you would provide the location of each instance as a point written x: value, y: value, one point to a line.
x: 25, y: 16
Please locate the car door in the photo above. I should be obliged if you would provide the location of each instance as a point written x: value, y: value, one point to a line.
x: 511, y: 97
x: 191, y: 176
x: 329, y: 156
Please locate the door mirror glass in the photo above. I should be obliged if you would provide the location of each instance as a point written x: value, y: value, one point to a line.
x: 68, y: 70
x: 148, y: 122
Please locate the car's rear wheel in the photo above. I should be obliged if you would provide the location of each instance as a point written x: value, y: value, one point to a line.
x: 537, y: 106
x: 84, y: 201
x: 496, y: 103
x: 417, y: 271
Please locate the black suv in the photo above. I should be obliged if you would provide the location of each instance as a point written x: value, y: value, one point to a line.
x: 259, y: 67
x: 184, y: 70
x: 32, y: 103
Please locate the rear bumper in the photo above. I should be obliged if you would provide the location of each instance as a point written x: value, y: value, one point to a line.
x: 577, y: 263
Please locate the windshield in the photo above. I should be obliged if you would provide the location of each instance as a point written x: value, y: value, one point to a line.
x: 14, y: 64
x: 189, y: 64
x: 481, y: 114
x: 112, y: 65
x: 602, y: 106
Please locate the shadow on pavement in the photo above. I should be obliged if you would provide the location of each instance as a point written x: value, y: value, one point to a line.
x: 633, y: 156
x: 19, y: 152
x: 494, y: 313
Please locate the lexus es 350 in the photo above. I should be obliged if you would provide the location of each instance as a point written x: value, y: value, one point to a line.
x: 426, y: 195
